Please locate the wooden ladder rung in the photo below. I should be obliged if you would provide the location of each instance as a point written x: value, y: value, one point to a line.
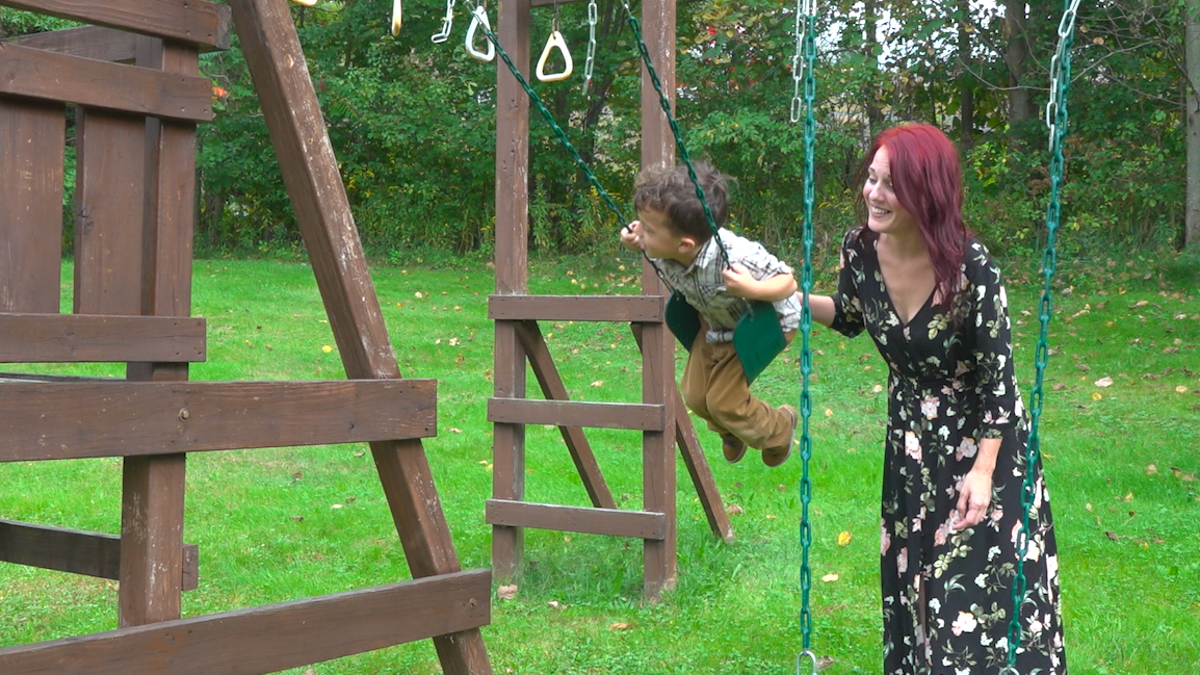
x: 581, y: 519
x: 623, y: 308
x: 638, y: 416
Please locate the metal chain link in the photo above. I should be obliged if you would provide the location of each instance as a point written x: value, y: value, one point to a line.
x: 1056, y: 122
x: 684, y: 156
x: 447, y: 23
x: 804, y: 9
x: 589, y: 64
x: 562, y: 135
x: 809, y: 49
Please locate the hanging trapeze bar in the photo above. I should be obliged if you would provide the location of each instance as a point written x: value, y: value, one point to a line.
x: 397, y: 17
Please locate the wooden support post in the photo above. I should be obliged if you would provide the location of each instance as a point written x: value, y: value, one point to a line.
x: 658, y: 347
x: 293, y: 115
x: 512, y: 259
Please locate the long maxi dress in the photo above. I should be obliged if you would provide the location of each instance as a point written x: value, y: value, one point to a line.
x: 947, y: 594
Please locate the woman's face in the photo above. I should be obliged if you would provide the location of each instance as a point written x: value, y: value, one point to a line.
x: 885, y: 213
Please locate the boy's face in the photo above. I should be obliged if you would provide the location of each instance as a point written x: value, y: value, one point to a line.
x: 658, y: 240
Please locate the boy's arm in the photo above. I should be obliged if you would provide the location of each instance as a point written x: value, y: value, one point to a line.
x: 739, y: 282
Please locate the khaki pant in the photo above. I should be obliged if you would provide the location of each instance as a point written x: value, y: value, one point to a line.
x: 714, y: 386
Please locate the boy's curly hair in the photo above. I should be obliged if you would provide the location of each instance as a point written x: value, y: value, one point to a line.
x: 670, y: 191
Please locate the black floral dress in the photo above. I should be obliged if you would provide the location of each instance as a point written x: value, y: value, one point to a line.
x: 947, y: 594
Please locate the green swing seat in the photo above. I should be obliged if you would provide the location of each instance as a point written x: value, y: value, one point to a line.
x: 757, y: 338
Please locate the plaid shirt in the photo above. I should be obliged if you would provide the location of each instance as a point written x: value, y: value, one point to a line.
x: 703, y: 286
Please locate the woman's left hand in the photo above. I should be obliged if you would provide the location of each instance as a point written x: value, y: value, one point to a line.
x: 974, y: 498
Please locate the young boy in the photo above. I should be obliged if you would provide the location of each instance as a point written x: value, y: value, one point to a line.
x: 674, y: 232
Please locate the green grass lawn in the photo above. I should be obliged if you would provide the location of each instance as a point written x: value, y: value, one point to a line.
x: 281, y: 524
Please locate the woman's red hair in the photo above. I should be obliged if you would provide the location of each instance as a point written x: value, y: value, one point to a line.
x: 927, y: 179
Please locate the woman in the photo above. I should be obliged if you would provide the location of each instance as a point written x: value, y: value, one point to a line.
x: 931, y: 297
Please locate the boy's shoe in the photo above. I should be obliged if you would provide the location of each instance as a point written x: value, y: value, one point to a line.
x: 733, y: 449
x: 773, y: 458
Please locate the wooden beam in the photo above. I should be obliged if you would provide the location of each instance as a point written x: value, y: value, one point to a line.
x: 644, y: 417
x: 73, y: 420
x: 39, y: 74
x: 623, y: 308
x: 293, y: 116
x: 89, y: 42
x: 271, y: 638
x: 195, y: 22
x: 96, y: 338
x: 32, y: 146
x: 582, y: 519
x: 553, y: 389
x: 93, y: 554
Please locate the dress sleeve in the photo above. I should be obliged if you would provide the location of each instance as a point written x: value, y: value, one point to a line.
x: 992, y: 343
x: 847, y: 309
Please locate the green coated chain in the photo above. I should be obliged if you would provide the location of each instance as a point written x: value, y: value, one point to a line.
x: 808, y: 44
x: 684, y: 156
x: 562, y: 135
x: 1056, y: 121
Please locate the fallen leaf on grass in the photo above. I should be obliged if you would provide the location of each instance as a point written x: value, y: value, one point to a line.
x: 507, y: 592
x: 1096, y: 396
x: 1111, y: 535
x: 554, y: 604
x: 829, y: 578
x: 734, y: 510
x: 1181, y: 389
x: 1151, y: 470
x: 844, y: 538
x: 620, y: 625
x: 1104, y: 382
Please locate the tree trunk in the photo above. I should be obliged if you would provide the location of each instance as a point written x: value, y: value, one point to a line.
x: 1191, y: 99
x: 871, y: 43
x: 1016, y: 57
x: 966, y: 91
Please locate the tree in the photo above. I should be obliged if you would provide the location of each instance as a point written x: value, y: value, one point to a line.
x: 1191, y: 97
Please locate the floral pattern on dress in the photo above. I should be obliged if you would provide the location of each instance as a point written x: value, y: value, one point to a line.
x: 950, y: 385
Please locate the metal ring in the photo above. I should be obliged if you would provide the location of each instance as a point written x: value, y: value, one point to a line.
x: 811, y: 657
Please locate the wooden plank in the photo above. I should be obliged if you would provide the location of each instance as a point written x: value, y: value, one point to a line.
x: 195, y: 22
x: 310, y: 171
x: 623, y: 308
x: 512, y: 276
x: 272, y: 637
x: 582, y: 519
x: 50, y: 76
x: 73, y: 420
x: 97, y: 338
x: 93, y: 554
x: 553, y: 389
x: 658, y: 347
x: 153, y: 486
x: 578, y: 413
x: 32, y: 142
x: 89, y: 42
x: 109, y: 213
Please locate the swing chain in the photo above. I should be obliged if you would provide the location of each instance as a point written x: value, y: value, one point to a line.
x: 684, y: 156
x: 549, y: 117
x: 806, y: 11
x: 806, y: 283
x: 588, y: 66
x: 447, y: 23
x: 1060, y: 82
x: 1066, y: 30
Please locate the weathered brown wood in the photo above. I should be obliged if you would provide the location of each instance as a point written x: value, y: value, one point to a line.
x: 622, y: 308
x: 109, y: 210
x: 32, y: 141
x: 93, y: 554
x: 50, y: 76
x: 553, y: 389
x: 104, y: 419
x: 89, y: 42
x: 152, y: 490
x: 695, y: 461
x: 512, y: 257
x: 658, y: 347
x: 583, y: 519
x: 94, y: 338
x: 297, y: 127
x: 272, y: 637
x: 196, y: 22
x: 644, y: 417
